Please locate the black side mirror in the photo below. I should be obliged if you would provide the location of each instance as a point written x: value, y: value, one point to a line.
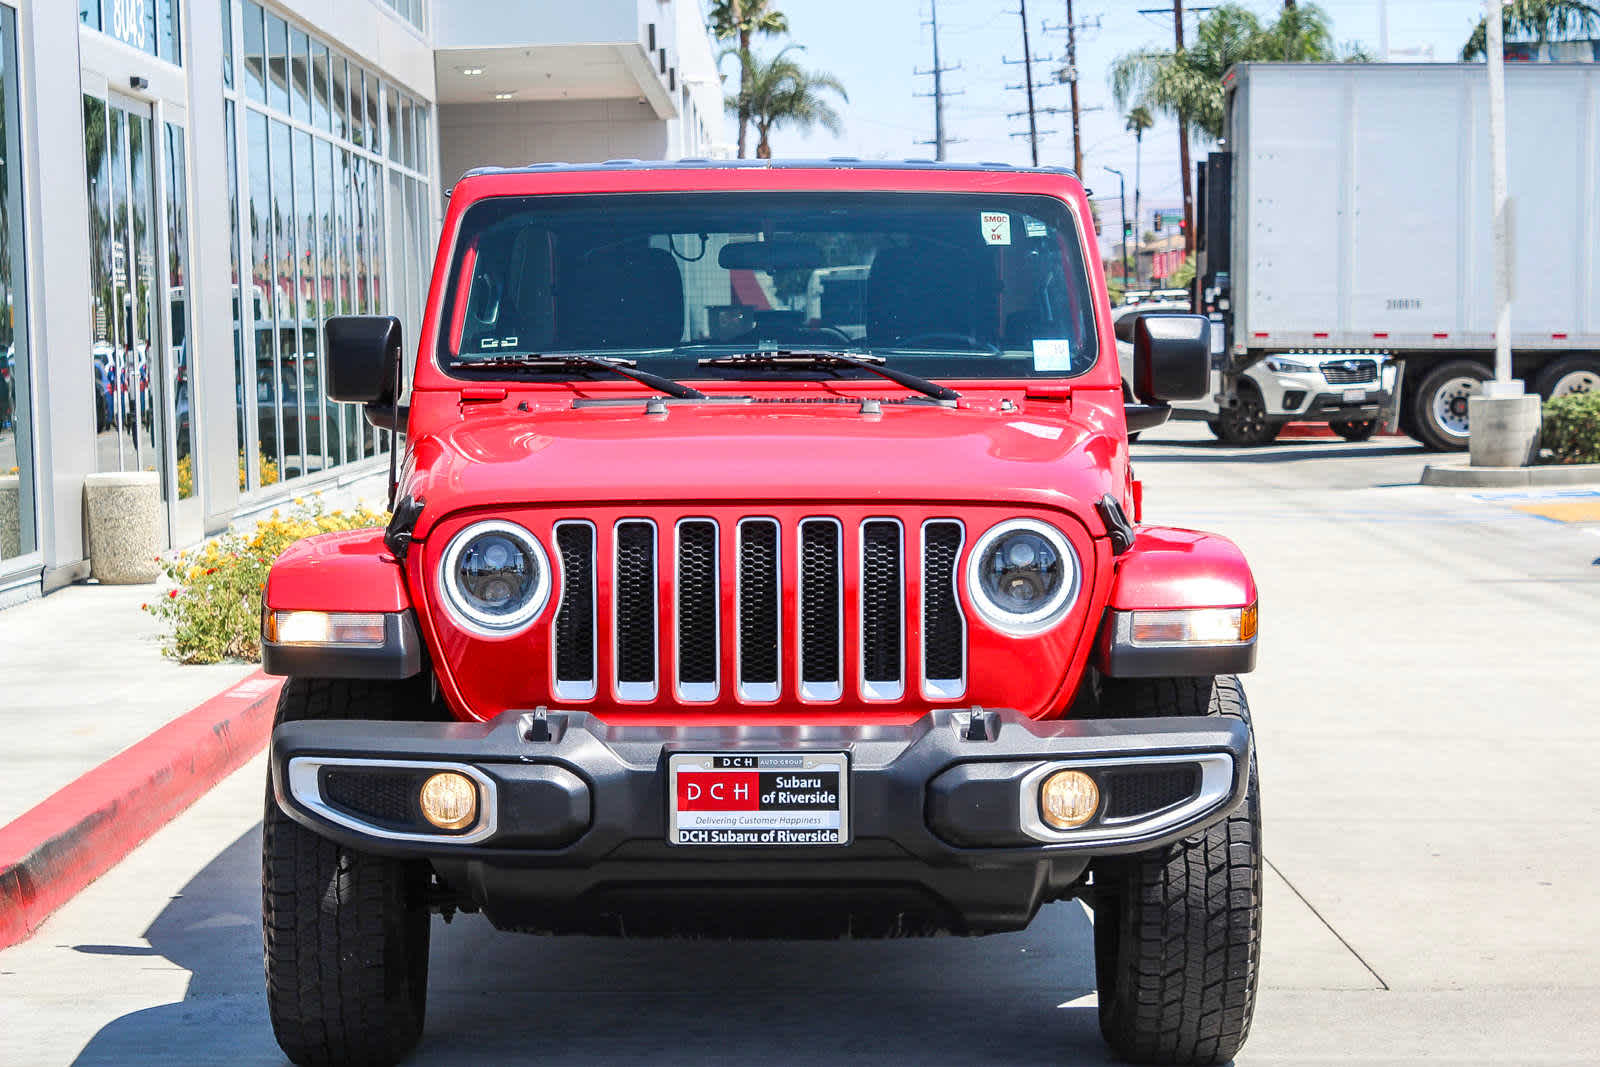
x: 363, y: 358
x: 1171, y: 357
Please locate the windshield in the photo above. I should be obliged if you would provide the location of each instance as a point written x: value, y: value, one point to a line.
x: 938, y: 284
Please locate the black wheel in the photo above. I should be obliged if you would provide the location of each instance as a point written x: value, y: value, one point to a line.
x: 1572, y: 374
x: 345, y: 933
x: 1177, y: 930
x: 1215, y: 426
x: 1356, y: 429
x: 1246, y: 423
x: 1439, y: 403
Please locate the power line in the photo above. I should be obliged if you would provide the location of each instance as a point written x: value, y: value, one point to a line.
x: 1028, y: 86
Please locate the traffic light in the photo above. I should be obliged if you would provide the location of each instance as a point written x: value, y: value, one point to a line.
x: 1158, y: 222
x: 1127, y: 231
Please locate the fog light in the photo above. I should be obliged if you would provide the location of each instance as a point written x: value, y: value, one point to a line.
x: 449, y: 800
x: 1068, y: 799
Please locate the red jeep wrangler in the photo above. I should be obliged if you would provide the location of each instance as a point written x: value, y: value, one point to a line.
x: 765, y: 562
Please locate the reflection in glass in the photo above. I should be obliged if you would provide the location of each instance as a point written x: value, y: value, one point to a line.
x: 277, y: 63
x: 264, y: 285
x: 299, y: 72
x: 306, y: 302
x: 341, y: 97
x: 240, y: 291
x: 17, y: 522
x: 146, y: 384
x: 319, y: 85
x: 227, y: 44
x: 178, y: 376
x: 255, y: 53
x: 281, y: 342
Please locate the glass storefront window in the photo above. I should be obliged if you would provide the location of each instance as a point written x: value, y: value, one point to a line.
x: 227, y: 44
x: 153, y: 26
x: 178, y: 348
x: 313, y: 241
x: 18, y: 527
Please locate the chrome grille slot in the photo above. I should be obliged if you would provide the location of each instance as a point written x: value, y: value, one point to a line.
x: 634, y: 615
x: 1350, y: 371
x: 696, y: 595
x: 882, y: 610
x: 944, y: 628
x: 821, y: 637
x: 573, y: 637
x: 760, y: 621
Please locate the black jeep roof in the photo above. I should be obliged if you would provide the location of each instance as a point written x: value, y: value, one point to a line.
x: 699, y: 163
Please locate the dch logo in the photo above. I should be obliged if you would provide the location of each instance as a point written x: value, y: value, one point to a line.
x: 718, y: 791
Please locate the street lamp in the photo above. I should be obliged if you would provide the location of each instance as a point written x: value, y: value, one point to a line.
x: 1122, y: 201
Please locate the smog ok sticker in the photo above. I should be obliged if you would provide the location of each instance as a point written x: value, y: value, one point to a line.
x: 996, y: 227
x: 1052, y: 354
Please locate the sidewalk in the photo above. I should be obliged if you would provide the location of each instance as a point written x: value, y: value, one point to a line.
x: 105, y: 739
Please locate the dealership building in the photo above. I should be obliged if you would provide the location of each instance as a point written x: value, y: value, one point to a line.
x: 189, y: 188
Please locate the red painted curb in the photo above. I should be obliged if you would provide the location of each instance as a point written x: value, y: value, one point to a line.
x: 1318, y: 429
x: 48, y: 854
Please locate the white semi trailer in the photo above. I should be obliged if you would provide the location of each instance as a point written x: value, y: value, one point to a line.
x: 1347, y: 211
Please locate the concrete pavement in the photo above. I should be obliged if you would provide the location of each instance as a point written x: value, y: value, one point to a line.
x: 1424, y: 714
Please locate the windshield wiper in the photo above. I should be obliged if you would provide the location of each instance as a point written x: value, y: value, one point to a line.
x: 626, y: 368
x: 784, y: 357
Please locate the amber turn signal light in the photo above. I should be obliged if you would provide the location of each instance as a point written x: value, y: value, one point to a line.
x: 1068, y: 799
x: 449, y: 800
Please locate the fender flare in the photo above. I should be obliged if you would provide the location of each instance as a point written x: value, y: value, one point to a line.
x: 346, y: 571
x: 1169, y: 569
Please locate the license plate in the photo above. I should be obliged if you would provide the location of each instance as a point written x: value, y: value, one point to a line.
x: 1355, y: 396
x: 752, y: 799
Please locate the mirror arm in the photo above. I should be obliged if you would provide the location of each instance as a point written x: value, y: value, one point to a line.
x: 1141, y: 417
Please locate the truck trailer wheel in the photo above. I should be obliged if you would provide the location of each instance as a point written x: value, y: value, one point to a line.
x: 345, y: 933
x: 1574, y: 374
x: 1177, y: 930
x: 1439, y: 405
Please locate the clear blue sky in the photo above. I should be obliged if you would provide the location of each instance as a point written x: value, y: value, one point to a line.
x: 873, y: 46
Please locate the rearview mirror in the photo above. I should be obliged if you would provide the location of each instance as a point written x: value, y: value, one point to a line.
x: 363, y: 357
x: 1171, y: 357
x: 770, y: 256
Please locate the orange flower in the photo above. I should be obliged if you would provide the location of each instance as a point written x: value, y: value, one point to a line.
x: 172, y: 593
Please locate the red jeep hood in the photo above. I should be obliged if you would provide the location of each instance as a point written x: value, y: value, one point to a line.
x: 765, y: 452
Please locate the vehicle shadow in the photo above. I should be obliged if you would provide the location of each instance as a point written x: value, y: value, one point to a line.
x: 1217, y: 452
x: 503, y: 998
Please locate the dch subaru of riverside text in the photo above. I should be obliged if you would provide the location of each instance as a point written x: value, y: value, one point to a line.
x: 765, y: 561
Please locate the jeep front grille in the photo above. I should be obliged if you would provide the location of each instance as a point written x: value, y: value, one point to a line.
x: 828, y: 560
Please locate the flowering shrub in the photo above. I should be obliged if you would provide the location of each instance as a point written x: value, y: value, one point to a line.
x: 1571, y: 429
x: 213, y: 611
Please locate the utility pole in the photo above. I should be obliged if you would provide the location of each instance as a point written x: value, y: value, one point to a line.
x: 1183, y: 144
x: 1077, y: 142
x: 1122, y: 199
x: 1027, y: 81
x: 939, y: 139
x: 1383, y: 31
x: 1503, y: 420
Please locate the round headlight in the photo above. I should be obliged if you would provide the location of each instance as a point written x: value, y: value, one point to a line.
x: 495, y: 577
x: 1023, y: 576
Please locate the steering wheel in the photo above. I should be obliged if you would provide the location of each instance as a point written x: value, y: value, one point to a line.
x: 930, y: 338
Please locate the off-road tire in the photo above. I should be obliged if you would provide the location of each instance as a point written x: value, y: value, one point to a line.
x: 345, y: 933
x: 1356, y: 430
x: 1247, y: 424
x: 1177, y: 930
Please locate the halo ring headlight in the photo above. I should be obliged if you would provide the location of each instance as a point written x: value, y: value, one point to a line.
x: 1023, y: 576
x: 495, y: 577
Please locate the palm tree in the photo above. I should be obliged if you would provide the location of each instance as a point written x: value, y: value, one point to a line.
x: 1542, y: 20
x: 783, y: 93
x: 1187, y: 83
x: 1139, y: 120
x: 743, y: 19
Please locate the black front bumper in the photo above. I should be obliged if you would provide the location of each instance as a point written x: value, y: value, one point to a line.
x: 573, y: 830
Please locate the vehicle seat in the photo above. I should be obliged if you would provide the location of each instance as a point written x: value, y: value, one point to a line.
x: 624, y: 297
x: 925, y: 288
